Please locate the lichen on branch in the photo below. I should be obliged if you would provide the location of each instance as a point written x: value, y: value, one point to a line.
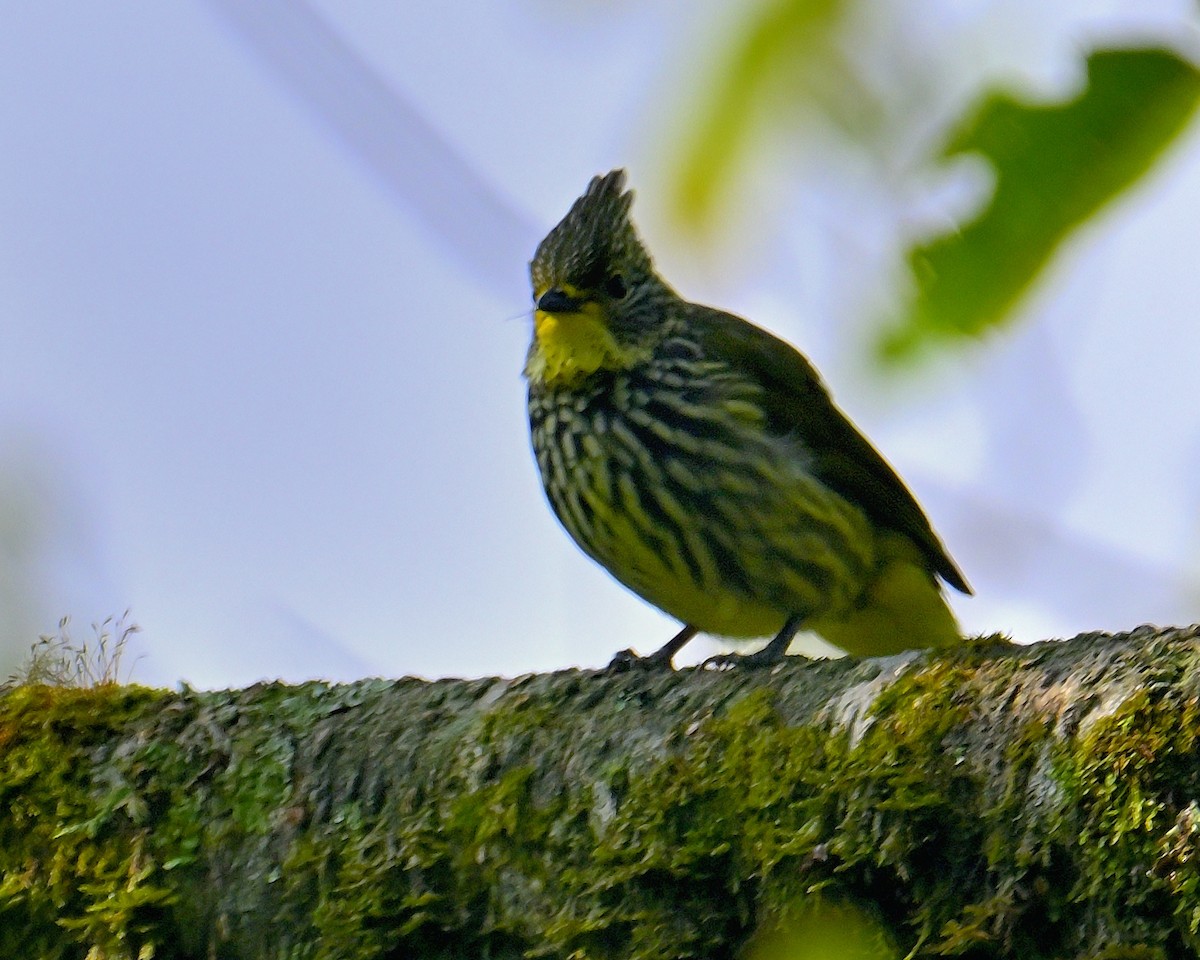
x: 992, y: 801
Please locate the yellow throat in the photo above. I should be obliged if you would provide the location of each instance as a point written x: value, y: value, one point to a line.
x: 570, y: 346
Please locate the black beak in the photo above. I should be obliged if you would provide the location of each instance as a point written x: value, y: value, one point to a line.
x: 555, y: 301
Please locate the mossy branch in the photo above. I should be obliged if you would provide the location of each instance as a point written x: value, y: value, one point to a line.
x: 993, y: 801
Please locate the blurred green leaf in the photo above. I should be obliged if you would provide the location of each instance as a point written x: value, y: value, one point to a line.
x: 783, y: 43
x: 1055, y: 166
x: 817, y: 929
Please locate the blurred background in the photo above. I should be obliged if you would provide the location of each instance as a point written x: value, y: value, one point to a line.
x: 264, y: 305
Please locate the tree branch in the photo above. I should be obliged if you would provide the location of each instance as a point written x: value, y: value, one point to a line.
x: 992, y: 801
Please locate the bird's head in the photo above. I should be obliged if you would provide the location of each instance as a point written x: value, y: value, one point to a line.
x: 597, y: 300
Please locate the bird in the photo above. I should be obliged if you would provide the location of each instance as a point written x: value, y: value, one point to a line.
x: 701, y: 461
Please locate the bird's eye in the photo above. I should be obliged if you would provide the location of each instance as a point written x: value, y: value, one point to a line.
x: 614, y: 286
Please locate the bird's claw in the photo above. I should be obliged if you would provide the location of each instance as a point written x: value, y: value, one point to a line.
x: 622, y: 661
x: 740, y: 661
x: 625, y: 660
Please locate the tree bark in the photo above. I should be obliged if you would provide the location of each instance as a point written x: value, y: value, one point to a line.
x: 991, y: 801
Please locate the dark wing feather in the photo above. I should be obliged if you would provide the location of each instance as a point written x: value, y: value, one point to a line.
x: 797, y: 403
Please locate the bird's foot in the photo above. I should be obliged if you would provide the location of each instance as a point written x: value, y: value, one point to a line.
x: 768, y: 656
x: 628, y: 659
x: 742, y: 661
x: 661, y: 658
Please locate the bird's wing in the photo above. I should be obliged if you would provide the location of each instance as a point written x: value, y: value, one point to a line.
x: 797, y: 404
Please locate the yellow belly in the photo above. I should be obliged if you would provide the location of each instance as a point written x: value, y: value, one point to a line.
x: 896, y: 606
x: 902, y: 609
x: 664, y: 578
x: 729, y: 532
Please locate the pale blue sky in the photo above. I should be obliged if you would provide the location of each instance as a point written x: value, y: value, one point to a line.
x: 262, y: 324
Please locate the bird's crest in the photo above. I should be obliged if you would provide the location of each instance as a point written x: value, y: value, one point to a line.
x: 595, y: 237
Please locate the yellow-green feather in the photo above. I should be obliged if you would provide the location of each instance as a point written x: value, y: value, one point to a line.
x: 700, y: 460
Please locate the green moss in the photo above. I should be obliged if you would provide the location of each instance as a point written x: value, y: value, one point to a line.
x: 446, y: 874
x: 502, y: 822
x: 120, y: 805
x: 1130, y: 778
x: 69, y: 883
x: 746, y: 817
x: 753, y: 815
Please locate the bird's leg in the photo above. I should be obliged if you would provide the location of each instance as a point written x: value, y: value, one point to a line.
x: 659, y: 658
x: 768, y: 656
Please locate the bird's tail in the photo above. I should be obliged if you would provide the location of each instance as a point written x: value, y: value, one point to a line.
x: 902, y: 610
